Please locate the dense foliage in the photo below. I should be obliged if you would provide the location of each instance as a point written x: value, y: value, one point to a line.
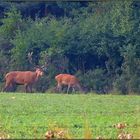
x: 97, y: 41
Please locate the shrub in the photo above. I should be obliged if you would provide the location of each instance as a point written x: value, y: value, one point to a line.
x: 94, y: 80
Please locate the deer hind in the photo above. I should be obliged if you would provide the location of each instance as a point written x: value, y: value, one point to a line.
x: 66, y: 79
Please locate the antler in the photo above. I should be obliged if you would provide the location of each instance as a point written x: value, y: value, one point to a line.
x: 30, y: 57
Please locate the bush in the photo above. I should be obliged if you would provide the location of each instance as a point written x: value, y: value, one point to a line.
x: 95, y: 80
x: 120, y: 85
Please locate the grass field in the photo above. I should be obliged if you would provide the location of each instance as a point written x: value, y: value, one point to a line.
x: 31, y: 115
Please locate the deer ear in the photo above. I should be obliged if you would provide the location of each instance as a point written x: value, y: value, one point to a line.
x: 36, y: 67
x: 44, y: 68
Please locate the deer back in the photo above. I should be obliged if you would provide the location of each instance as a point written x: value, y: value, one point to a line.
x: 21, y: 77
x: 66, y: 79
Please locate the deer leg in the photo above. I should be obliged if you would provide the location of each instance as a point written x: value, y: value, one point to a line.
x: 59, y: 87
x: 13, y: 87
x: 73, y: 89
x: 6, y: 88
x: 68, y: 88
x: 31, y: 88
x: 26, y: 88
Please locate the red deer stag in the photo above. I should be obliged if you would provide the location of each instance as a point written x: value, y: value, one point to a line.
x: 69, y: 80
x: 26, y: 78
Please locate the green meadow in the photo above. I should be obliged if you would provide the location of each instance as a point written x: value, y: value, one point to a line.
x: 32, y: 115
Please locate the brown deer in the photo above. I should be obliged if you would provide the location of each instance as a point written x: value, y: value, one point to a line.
x: 26, y: 78
x: 66, y: 79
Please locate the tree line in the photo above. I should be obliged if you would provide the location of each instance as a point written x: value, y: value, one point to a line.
x: 98, y: 41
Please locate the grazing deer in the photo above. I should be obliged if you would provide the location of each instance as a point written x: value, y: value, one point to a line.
x: 69, y: 80
x: 26, y: 78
